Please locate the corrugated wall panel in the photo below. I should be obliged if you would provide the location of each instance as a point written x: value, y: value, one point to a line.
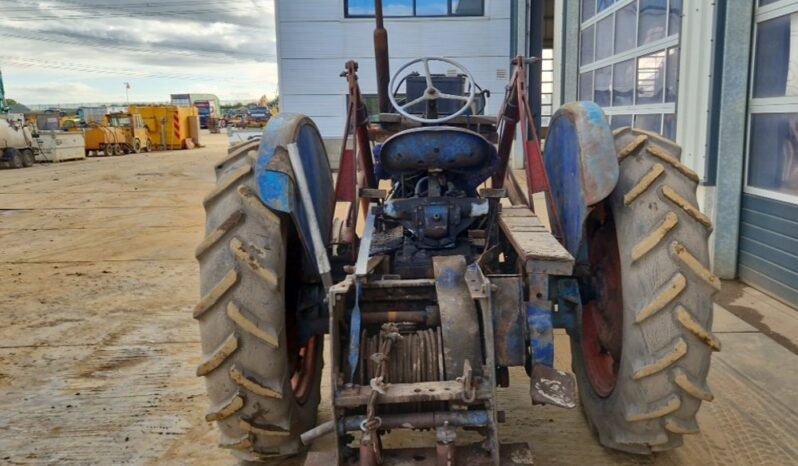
x: 768, y: 256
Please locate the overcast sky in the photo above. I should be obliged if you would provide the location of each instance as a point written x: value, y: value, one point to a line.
x: 83, y: 51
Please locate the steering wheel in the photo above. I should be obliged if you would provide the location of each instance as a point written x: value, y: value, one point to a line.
x: 432, y: 93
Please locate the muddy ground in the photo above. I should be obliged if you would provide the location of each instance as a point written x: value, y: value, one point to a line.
x: 98, y: 348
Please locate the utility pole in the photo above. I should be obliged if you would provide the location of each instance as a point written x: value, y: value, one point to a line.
x: 127, y: 93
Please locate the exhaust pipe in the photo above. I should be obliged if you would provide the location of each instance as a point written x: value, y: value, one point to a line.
x: 381, y: 58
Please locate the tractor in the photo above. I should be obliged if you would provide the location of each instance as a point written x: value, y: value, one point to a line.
x: 432, y: 272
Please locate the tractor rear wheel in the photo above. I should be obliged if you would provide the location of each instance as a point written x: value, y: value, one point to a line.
x: 642, y: 353
x: 264, y: 390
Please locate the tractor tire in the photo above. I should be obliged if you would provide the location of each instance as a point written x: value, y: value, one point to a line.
x: 642, y: 352
x: 148, y: 147
x: 136, y: 146
x: 28, y: 159
x: 242, y: 320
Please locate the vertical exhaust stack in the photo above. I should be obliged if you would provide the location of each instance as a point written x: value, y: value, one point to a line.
x: 381, y: 57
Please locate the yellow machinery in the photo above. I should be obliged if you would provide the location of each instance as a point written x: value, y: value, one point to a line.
x: 122, y: 133
x: 106, y: 139
x: 137, y: 135
x: 169, y: 126
x: 70, y: 123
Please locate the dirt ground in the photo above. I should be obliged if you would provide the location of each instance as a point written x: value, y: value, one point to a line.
x: 98, y: 348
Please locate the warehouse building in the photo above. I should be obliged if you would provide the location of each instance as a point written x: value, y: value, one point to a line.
x: 721, y: 78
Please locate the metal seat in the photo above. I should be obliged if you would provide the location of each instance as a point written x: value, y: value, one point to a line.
x: 463, y: 155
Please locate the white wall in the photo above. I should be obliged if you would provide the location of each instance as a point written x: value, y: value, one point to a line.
x: 314, y: 41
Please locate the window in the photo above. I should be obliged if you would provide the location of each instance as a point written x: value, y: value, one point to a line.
x: 650, y: 74
x: 586, y: 46
x: 602, y: 86
x: 773, y: 152
x: 408, y: 8
x: 652, y: 21
x: 774, y: 58
x: 604, y: 38
x: 586, y: 86
x: 620, y: 121
x: 547, y: 86
x: 772, y: 158
x: 623, y: 78
x: 629, y: 61
x: 625, y: 24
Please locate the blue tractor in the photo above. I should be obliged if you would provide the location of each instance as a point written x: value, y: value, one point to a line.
x: 431, y: 272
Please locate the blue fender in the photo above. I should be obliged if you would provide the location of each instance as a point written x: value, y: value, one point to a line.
x: 277, y: 187
x: 581, y: 163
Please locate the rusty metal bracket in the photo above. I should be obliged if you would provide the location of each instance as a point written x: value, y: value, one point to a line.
x: 569, y: 305
x: 459, y: 319
x: 551, y: 386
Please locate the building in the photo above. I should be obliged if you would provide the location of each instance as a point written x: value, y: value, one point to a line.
x: 317, y: 38
x: 718, y: 77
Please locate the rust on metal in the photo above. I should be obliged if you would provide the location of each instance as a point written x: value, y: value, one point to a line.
x: 381, y: 57
x: 459, y: 319
x: 552, y: 387
x: 509, y: 321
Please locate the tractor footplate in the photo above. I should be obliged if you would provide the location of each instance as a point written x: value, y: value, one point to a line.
x: 512, y: 454
x: 549, y: 386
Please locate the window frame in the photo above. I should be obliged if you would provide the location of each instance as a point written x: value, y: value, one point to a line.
x: 448, y: 14
x: 764, y: 105
x: 636, y: 52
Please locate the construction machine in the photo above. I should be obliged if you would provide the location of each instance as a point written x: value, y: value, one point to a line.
x: 443, y: 273
x: 18, y: 147
x: 137, y: 135
x: 121, y: 133
x: 108, y: 140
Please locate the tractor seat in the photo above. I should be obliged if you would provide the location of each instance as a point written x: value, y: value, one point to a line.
x: 456, y: 151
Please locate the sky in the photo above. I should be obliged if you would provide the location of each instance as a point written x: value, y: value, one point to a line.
x: 84, y: 51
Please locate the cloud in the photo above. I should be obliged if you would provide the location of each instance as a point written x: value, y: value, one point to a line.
x: 228, y: 46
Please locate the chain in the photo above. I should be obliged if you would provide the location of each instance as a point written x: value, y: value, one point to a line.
x: 390, y: 334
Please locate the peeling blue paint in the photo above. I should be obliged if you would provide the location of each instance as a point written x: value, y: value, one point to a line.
x: 276, y: 188
x: 539, y: 322
x: 582, y: 165
x: 569, y: 304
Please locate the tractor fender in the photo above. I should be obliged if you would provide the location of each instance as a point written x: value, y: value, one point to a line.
x: 276, y: 178
x: 581, y: 163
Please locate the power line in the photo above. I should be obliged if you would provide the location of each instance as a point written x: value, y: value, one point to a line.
x: 39, y: 63
x: 115, y: 44
x: 75, y: 5
x: 157, y: 15
x: 225, y: 8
